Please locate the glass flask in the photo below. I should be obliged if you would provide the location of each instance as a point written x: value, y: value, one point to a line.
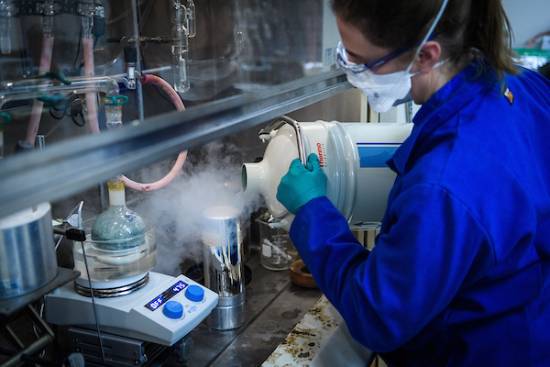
x: 118, y: 227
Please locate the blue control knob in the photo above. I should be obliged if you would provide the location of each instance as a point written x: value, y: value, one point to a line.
x: 194, y: 293
x: 173, y: 310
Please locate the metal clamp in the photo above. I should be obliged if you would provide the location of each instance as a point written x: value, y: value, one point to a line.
x: 266, y: 134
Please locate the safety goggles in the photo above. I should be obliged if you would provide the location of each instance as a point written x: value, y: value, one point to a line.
x: 344, y: 63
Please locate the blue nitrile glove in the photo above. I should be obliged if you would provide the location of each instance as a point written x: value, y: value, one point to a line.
x: 302, y: 184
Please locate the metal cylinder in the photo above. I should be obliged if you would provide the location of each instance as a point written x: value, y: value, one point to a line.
x: 223, y: 266
x: 27, y: 252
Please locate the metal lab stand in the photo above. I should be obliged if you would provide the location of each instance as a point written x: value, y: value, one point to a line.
x: 12, y: 307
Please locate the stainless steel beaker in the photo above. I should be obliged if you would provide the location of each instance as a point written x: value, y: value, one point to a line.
x: 223, y: 266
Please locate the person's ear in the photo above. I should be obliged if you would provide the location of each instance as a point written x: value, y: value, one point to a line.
x: 429, y: 55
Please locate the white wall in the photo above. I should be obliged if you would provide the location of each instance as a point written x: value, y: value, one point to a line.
x: 528, y: 17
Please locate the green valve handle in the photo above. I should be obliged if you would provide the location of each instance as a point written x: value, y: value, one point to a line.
x: 5, y: 118
x: 52, y: 100
x: 54, y: 75
x: 116, y: 100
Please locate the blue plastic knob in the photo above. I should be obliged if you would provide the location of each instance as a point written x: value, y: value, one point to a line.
x: 194, y: 293
x: 173, y: 310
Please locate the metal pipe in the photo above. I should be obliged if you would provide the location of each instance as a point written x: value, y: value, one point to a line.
x: 265, y: 133
x: 14, y: 337
x: 299, y: 138
x: 41, y: 321
x: 35, y: 347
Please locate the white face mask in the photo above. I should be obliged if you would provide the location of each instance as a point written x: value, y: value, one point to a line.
x: 384, y: 90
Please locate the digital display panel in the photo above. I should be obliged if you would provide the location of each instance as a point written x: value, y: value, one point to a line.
x: 166, y: 295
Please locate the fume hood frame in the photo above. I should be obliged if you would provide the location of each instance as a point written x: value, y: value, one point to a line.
x: 72, y: 166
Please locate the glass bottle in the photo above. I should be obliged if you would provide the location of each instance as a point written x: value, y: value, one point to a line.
x: 113, y: 110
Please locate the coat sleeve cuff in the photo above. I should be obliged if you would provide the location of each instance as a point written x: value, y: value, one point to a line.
x: 309, y: 213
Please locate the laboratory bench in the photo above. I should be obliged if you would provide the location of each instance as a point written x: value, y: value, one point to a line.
x: 285, y: 325
x: 273, y: 308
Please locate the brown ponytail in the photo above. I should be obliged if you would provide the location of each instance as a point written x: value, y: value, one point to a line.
x: 466, y: 25
x: 489, y: 32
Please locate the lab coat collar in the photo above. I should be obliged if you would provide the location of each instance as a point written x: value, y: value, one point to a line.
x: 475, y: 78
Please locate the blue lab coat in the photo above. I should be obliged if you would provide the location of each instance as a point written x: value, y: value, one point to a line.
x: 460, y: 275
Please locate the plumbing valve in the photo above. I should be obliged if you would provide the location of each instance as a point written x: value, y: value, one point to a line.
x: 130, y: 55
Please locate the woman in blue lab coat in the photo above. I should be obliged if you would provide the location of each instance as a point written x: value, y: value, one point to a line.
x: 460, y: 275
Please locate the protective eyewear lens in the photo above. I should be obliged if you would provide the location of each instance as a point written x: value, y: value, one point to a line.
x: 344, y: 63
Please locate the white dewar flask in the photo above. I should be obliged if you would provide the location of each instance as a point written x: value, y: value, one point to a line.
x: 352, y: 155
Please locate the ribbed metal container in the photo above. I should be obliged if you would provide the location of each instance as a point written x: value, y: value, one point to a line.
x: 223, y: 266
x: 27, y: 252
